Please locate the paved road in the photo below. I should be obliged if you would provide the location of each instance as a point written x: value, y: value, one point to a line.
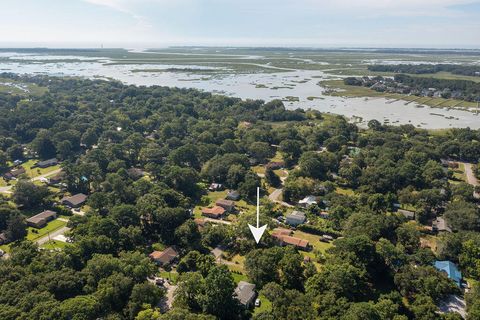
x: 217, y: 221
x: 52, y: 235
x: 275, y: 195
x: 8, y: 189
x: 471, y: 178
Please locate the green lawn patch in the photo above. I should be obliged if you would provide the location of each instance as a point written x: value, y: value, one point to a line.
x: 54, y: 245
x: 50, y: 227
x: 265, y: 305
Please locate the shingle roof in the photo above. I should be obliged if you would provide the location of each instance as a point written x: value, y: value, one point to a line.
x: 165, y: 256
x: 215, y: 211
x: 245, y: 292
x: 75, y: 200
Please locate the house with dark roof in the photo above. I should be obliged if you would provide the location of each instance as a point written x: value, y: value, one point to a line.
x: 40, y: 220
x: 46, y: 163
x: 245, y: 293
x: 74, y: 201
x: 275, y: 165
x: 135, y: 173
x: 56, y: 179
x: 216, y: 212
x: 451, y: 270
x: 296, y: 218
x: 228, y: 205
x: 14, y: 173
x: 166, y: 257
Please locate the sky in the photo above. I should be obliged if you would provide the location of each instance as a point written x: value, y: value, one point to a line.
x: 296, y: 23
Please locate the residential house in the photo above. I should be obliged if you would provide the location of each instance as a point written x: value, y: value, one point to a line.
x: 245, y: 293
x: 307, y: 201
x: 46, y: 163
x: 14, y: 173
x: 285, y: 240
x: 451, y: 270
x: 135, y: 173
x: 216, y: 212
x: 410, y: 215
x: 440, y: 225
x: 233, y: 195
x: 275, y: 165
x: 200, y: 223
x: 228, y: 205
x: 74, y: 201
x: 56, y: 179
x: 296, y: 218
x: 40, y: 220
x: 166, y: 257
x: 280, y: 232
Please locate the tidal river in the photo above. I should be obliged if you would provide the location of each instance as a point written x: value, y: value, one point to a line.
x: 298, y: 88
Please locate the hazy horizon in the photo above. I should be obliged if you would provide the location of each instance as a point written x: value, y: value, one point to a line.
x: 285, y: 23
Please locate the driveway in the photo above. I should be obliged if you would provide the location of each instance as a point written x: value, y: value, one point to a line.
x: 471, y: 178
x: 8, y: 189
x: 51, y: 235
x: 275, y: 195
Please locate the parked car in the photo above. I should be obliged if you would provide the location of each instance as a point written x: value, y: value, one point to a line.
x: 257, y: 303
x: 160, y: 282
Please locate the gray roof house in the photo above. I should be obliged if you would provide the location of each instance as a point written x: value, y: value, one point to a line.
x: 440, y: 225
x: 245, y: 293
x: 74, y: 201
x: 296, y: 218
x: 40, y: 220
x: 47, y: 163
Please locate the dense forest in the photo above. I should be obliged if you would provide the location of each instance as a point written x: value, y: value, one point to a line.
x: 426, y: 68
x: 381, y: 265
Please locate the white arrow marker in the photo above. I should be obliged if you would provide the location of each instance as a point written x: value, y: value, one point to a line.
x: 257, y: 231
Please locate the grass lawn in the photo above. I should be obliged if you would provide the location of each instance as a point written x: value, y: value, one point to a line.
x: 35, y: 172
x: 51, y: 226
x: 265, y: 305
x: 239, y: 277
x: 238, y: 265
x: 277, y: 158
x: 429, y: 241
x: 259, y: 169
x: 172, y: 275
x: 459, y: 174
x: 54, y: 245
x: 5, y: 248
x: 345, y: 191
x: 315, y: 242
